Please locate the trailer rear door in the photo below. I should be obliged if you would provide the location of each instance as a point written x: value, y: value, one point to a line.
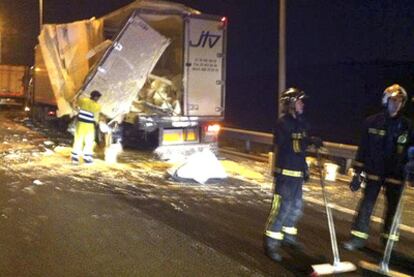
x: 204, y: 76
x: 125, y: 66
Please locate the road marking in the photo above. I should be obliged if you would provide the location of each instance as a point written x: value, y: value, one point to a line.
x: 376, y: 219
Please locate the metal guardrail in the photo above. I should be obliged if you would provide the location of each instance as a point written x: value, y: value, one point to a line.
x: 339, y: 150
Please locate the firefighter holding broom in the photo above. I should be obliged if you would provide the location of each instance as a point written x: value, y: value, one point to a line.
x: 379, y: 163
x: 291, y: 141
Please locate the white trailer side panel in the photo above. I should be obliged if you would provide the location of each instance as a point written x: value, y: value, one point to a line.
x: 204, y: 79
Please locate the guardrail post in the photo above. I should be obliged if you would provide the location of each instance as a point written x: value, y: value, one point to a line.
x: 248, y: 146
x: 348, y: 164
x: 270, y: 163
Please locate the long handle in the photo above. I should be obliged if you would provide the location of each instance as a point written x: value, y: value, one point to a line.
x: 393, y: 232
x: 331, y: 225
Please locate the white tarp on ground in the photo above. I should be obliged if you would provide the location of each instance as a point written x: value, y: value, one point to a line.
x: 64, y: 49
x: 200, y: 166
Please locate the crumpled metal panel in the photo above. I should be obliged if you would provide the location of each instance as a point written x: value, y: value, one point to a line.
x: 64, y: 48
x: 125, y: 66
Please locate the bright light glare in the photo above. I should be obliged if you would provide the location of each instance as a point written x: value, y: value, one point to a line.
x: 213, y: 128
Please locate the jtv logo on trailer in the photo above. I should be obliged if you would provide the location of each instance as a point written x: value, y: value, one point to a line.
x: 206, y: 38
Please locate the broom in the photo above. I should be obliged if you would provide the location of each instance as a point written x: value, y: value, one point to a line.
x: 337, y: 266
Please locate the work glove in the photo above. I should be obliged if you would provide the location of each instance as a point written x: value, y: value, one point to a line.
x: 356, y: 181
x: 316, y: 141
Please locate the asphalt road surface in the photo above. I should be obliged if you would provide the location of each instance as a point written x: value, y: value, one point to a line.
x: 130, y: 219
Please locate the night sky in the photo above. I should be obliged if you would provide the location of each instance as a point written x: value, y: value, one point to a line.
x: 343, y: 53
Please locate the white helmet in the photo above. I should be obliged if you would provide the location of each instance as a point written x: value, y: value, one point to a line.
x: 394, y: 91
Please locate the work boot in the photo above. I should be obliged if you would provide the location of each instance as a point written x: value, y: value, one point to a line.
x: 354, y: 244
x: 271, y: 247
x: 291, y: 241
x: 88, y: 161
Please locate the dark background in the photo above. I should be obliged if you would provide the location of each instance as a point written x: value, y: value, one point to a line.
x: 343, y: 53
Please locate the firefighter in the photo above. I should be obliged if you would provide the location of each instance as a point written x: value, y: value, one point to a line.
x: 88, y: 117
x: 379, y: 163
x: 290, y: 171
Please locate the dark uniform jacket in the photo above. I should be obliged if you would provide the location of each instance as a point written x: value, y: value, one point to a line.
x: 382, y: 152
x: 291, y: 141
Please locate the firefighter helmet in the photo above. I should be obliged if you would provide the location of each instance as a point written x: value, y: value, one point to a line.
x: 394, y: 91
x: 289, y: 98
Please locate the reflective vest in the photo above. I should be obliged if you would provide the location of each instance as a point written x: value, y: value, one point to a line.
x: 88, y: 110
x: 382, y: 151
x: 291, y: 142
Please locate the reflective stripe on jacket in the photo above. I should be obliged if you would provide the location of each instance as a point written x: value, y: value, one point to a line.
x: 291, y: 142
x: 89, y: 110
x: 382, y: 151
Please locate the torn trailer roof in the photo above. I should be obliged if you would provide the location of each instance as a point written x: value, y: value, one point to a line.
x: 91, y: 50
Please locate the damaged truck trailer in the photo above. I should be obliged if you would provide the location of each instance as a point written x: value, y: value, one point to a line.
x: 160, y: 67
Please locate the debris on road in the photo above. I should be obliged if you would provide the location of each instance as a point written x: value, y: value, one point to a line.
x: 38, y: 182
x: 48, y: 143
